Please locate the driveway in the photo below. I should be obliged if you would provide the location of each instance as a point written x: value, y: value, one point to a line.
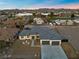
x: 52, y: 52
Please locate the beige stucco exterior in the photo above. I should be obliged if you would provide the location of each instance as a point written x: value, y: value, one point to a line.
x: 28, y: 37
x: 41, y: 40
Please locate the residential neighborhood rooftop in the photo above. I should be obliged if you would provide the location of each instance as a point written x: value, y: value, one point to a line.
x: 44, y: 32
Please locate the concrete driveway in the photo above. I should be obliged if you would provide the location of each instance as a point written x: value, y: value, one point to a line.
x: 52, y: 52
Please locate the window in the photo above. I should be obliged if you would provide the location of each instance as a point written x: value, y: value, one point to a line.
x: 37, y: 36
x: 33, y: 37
x: 27, y: 36
x: 22, y: 36
x: 45, y: 42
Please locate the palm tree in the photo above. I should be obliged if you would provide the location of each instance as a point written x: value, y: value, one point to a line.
x: 34, y: 14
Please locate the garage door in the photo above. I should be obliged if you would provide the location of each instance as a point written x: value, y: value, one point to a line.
x: 55, y: 43
x: 45, y: 42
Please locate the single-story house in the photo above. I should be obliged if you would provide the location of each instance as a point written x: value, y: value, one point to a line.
x: 24, y: 14
x: 70, y: 22
x: 76, y: 21
x: 45, y: 14
x: 38, y: 20
x: 45, y: 35
x: 64, y: 22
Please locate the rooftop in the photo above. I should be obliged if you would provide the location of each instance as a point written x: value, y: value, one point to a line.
x: 44, y: 32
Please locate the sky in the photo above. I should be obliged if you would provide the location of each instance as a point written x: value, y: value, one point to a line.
x: 35, y: 4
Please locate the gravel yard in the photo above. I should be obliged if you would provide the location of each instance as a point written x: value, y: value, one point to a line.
x: 25, y: 51
x: 71, y: 33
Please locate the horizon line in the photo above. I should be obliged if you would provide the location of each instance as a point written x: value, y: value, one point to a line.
x: 35, y: 8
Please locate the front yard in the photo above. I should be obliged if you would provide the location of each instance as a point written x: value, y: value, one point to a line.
x: 25, y: 50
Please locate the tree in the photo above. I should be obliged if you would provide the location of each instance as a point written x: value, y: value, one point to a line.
x: 2, y: 45
x: 30, y: 21
x: 51, y: 14
x: 20, y: 24
x: 72, y: 16
x: 50, y: 17
x: 34, y: 14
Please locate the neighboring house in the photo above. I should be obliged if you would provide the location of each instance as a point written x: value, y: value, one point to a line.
x: 3, y: 18
x: 60, y: 22
x: 45, y: 14
x: 70, y: 22
x: 64, y: 22
x: 8, y: 34
x: 76, y: 21
x: 45, y: 35
x: 77, y: 15
x: 56, y: 13
x: 24, y: 14
x: 38, y: 20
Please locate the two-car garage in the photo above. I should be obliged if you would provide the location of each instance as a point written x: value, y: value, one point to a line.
x: 50, y: 42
